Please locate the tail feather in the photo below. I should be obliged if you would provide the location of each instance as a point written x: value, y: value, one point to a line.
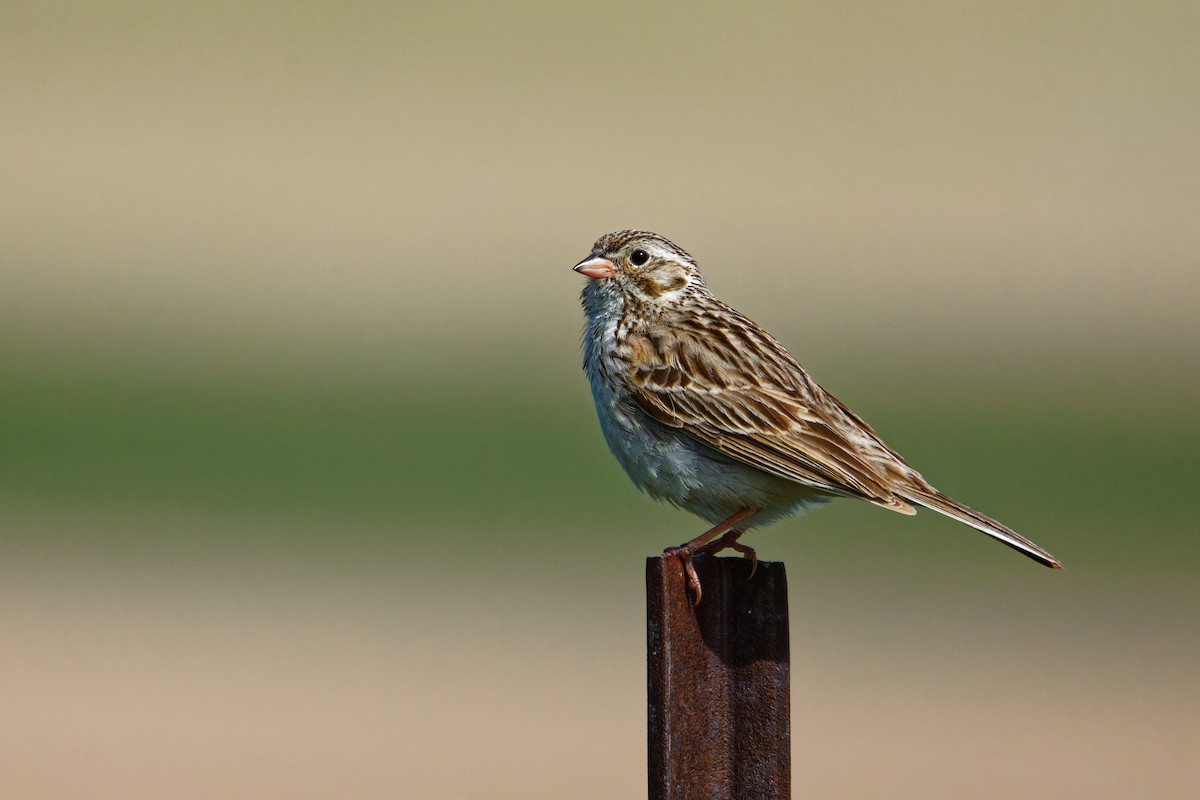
x: 955, y: 510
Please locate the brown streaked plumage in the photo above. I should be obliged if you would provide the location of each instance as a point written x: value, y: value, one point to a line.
x: 709, y: 412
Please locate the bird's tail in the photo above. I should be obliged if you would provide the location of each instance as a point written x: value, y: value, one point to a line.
x: 932, y: 498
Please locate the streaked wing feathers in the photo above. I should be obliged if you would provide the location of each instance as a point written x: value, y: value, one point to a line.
x: 762, y: 423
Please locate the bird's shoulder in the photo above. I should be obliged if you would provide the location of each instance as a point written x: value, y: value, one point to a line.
x: 715, y: 352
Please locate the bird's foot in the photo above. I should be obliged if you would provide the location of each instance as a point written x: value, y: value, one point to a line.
x: 730, y: 541
x: 684, y: 554
x: 701, y: 544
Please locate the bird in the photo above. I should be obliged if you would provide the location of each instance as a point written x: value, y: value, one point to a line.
x: 705, y: 410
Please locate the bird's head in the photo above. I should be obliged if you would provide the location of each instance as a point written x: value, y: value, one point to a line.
x: 640, y: 267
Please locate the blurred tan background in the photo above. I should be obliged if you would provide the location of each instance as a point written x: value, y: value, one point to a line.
x: 301, y: 490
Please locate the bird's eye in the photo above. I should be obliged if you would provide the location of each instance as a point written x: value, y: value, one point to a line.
x: 639, y: 257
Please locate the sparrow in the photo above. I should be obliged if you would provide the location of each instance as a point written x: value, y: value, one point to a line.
x: 707, y: 411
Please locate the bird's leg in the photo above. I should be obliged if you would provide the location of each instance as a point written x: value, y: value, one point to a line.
x: 730, y: 540
x: 685, y: 551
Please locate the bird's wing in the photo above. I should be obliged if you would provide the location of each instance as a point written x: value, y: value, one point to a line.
x: 773, y: 418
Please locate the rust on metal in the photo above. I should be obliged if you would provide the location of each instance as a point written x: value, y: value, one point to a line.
x: 718, y: 682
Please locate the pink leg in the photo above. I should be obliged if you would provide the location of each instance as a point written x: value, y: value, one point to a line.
x: 730, y: 540
x: 685, y: 551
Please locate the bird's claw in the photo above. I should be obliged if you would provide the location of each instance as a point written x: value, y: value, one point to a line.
x: 729, y: 537
x: 685, y: 559
x: 749, y: 554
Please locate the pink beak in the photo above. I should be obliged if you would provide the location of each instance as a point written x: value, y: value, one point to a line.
x: 596, y: 268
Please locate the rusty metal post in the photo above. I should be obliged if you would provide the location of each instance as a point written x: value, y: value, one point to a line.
x: 718, y: 682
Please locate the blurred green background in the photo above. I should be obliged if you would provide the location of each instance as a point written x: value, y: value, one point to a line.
x: 301, y: 489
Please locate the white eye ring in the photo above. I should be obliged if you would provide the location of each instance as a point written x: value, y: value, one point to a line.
x: 639, y: 257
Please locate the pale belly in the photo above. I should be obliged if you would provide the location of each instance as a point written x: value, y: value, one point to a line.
x: 671, y: 466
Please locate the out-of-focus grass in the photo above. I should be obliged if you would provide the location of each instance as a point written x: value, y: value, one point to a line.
x: 353, y: 450
x: 1105, y: 481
